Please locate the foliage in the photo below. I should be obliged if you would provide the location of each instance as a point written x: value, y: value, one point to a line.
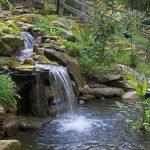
x: 98, y: 55
x: 2, y: 63
x: 45, y: 24
x: 73, y: 4
x: 49, y: 6
x: 9, y: 29
x: 73, y: 49
x: 7, y: 3
x: 140, y: 84
x: 141, y: 5
x: 8, y: 94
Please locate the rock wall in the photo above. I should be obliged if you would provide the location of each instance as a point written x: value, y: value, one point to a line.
x: 31, y: 85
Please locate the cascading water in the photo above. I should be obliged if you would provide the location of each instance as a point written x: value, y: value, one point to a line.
x: 64, y: 96
x: 28, y: 46
x: 28, y: 40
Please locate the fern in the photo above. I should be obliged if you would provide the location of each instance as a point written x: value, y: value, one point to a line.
x: 8, y: 93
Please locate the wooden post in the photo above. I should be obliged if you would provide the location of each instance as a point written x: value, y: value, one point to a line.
x: 60, y: 7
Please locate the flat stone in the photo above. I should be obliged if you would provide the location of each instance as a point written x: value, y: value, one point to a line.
x: 108, y: 92
x: 81, y: 102
x: 96, y: 85
x: 107, y: 78
x: 24, y: 126
x: 87, y: 97
x: 10, y: 145
x: 120, y: 84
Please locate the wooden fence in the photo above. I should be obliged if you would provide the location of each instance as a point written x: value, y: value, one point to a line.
x: 61, y: 5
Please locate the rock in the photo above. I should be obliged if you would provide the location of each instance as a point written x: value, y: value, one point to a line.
x: 1, y: 127
x: 29, y: 61
x: 108, y: 92
x: 96, y: 85
x: 25, y: 126
x: 107, y: 78
x: 31, y: 18
x: 69, y: 62
x: 20, y: 11
x: 31, y: 87
x: 11, y: 127
x: 131, y: 96
x: 36, y: 32
x: 81, y: 102
x: 120, y: 84
x: 87, y: 97
x: 125, y: 69
x: 2, y: 110
x: 10, y: 45
x: 38, y: 5
x: 10, y: 145
x: 25, y: 25
x: 55, y: 47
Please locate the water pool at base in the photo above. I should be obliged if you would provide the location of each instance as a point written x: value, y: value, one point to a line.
x: 97, y: 125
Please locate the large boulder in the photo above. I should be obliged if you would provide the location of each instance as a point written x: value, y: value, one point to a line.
x: 10, y: 44
x: 69, y: 62
x: 10, y: 145
x: 108, y: 92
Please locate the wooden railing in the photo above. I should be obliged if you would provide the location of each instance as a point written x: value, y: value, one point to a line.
x: 61, y: 5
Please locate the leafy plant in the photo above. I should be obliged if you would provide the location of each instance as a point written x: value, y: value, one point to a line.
x: 74, y: 49
x: 8, y: 93
x: 140, y: 84
x: 9, y: 29
x: 7, y: 3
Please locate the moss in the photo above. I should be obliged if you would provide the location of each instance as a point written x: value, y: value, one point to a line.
x: 8, y: 61
x: 44, y: 60
x: 26, y: 18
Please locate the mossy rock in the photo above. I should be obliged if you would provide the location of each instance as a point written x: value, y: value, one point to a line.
x: 44, y: 60
x: 10, y: 45
x: 8, y: 61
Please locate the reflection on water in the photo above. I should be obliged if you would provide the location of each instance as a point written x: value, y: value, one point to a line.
x: 94, y: 126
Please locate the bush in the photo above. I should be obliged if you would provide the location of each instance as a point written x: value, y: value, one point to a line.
x: 8, y: 93
x: 9, y: 29
x: 74, y: 49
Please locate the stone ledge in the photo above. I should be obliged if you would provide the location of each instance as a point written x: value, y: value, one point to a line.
x: 10, y: 145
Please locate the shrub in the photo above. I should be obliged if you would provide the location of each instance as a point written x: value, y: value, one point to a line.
x: 9, y: 29
x: 74, y: 49
x: 8, y: 93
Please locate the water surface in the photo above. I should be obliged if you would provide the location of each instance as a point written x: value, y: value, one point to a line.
x: 97, y: 125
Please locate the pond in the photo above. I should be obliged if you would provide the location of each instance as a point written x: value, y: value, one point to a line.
x: 97, y: 125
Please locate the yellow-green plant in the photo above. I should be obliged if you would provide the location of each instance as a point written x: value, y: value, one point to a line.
x: 9, y: 29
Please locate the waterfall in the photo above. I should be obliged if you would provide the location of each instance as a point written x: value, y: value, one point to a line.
x: 28, y: 46
x: 64, y: 96
x: 28, y: 40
